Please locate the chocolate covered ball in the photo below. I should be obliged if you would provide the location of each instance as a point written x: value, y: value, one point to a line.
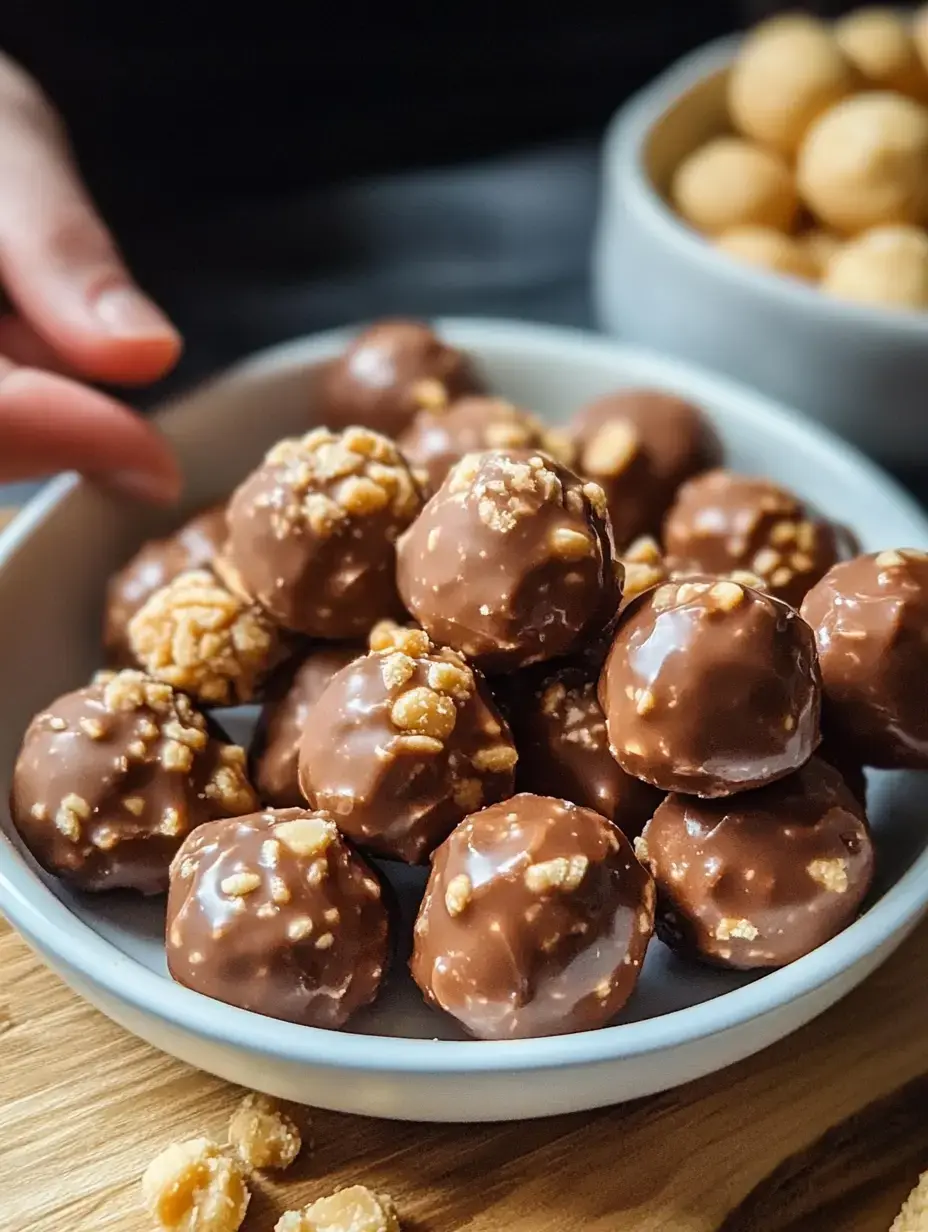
x: 275, y: 749
x: 535, y: 921
x: 640, y: 445
x: 391, y: 371
x: 155, y: 564
x: 403, y: 744
x: 511, y: 561
x: 560, y: 734
x: 644, y: 567
x: 196, y: 635
x: 869, y: 616
x: 275, y: 913
x: 763, y: 879
x: 312, y: 532
x: 436, y: 439
x: 711, y: 688
x: 110, y: 779
x: 722, y: 522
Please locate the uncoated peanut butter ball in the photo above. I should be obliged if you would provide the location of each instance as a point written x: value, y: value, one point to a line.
x: 639, y: 445
x: 535, y: 921
x: 770, y: 250
x: 511, y: 561
x: 275, y: 913
x: 730, y: 182
x: 391, y: 371
x: 711, y: 688
x: 110, y: 779
x: 760, y: 880
x: 404, y: 743
x: 870, y: 616
x: 879, y: 43
x: 312, y: 532
x: 885, y: 265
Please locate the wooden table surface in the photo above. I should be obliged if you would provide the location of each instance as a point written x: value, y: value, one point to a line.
x: 826, y: 1131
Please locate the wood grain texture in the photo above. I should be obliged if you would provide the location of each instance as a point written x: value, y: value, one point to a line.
x: 824, y: 1132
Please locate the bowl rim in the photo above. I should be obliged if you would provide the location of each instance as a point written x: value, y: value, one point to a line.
x: 625, y: 172
x: 48, y: 923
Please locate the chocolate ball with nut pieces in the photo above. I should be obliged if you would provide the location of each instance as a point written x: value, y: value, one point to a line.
x: 560, y: 733
x: 390, y: 371
x: 869, y: 616
x: 535, y: 921
x: 437, y: 439
x: 277, y: 914
x: 511, y: 561
x: 711, y: 688
x: 403, y: 744
x: 763, y: 879
x: 722, y: 523
x: 275, y: 747
x: 312, y: 532
x: 196, y: 635
x: 156, y: 563
x: 110, y: 779
x: 640, y: 445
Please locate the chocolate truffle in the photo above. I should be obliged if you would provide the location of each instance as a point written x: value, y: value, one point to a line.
x: 312, y: 532
x: 711, y: 688
x: 388, y: 373
x: 275, y: 913
x: 110, y: 779
x: 274, y: 753
x: 403, y: 744
x: 640, y: 445
x: 511, y: 561
x: 437, y: 439
x: 722, y: 522
x: 560, y: 734
x: 155, y: 564
x: 869, y: 616
x: 197, y: 636
x: 763, y: 879
x: 535, y: 921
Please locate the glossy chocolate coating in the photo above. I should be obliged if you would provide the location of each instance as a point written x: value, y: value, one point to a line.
x: 275, y: 749
x: 535, y: 921
x: 436, y: 440
x: 155, y: 564
x: 275, y: 913
x: 640, y: 445
x: 760, y: 880
x: 870, y: 615
x: 722, y: 522
x: 711, y: 688
x: 111, y: 778
x: 312, y: 532
x: 511, y: 561
x: 388, y: 373
x: 404, y: 743
x: 560, y: 733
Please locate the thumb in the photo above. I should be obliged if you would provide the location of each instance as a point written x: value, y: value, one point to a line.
x: 58, y: 262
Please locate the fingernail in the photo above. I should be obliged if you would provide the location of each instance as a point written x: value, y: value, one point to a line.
x: 127, y: 313
x: 143, y: 485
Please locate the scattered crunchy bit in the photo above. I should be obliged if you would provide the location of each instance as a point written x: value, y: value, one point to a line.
x: 262, y: 1134
x: 356, y: 1209
x: 193, y: 1187
x: 914, y: 1214
x: 197, y: 636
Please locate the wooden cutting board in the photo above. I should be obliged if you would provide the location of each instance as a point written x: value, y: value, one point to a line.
x: 825, y: 1132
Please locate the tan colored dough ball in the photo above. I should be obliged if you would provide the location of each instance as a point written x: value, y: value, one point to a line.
x: 729, y: 183
x: 888, y: 265
x: 768, y: 249
x: 865, y: 163
x: 820, y: 247
x: 789, y: 71
x: 879, y: 43
x: 920, y: 34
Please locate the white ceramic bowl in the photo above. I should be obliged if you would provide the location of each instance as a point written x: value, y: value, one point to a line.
x: 683, y: 1021
x: 862, y: 371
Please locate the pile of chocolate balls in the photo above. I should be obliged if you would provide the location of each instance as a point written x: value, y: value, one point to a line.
x: 596, y: 682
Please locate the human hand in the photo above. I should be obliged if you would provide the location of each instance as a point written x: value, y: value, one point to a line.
x: 74, y: 313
